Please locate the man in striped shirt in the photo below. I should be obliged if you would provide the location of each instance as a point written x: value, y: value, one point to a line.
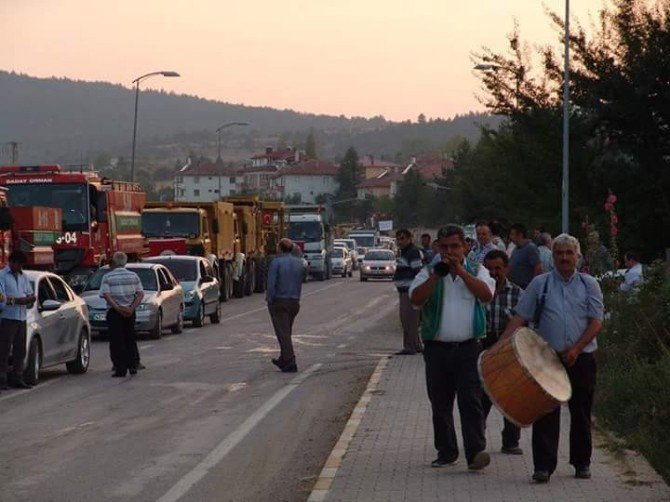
x: 122, y: 289
x: 498, y: 313
x: 408, y: 264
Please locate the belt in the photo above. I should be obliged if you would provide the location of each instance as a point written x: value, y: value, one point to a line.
x: 452, y: 344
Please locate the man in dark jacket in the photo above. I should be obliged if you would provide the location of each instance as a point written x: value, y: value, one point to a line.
x: 409, y: 264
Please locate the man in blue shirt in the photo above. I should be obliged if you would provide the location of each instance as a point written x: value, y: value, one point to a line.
x: 283, y: 297
x: 17, y: 295
x: 567, y: 308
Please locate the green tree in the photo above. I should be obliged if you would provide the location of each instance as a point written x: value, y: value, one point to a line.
x: 410, y: 200
x: 350, y: 174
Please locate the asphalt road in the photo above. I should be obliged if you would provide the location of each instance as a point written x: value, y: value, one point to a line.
x: 210, y: 418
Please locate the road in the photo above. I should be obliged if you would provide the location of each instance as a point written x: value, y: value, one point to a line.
x: 210, y: 418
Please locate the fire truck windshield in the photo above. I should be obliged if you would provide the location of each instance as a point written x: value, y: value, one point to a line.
x: 72, y: 198
x: 170, y: 224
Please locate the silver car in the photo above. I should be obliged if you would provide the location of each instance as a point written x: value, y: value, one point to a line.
x: 162, y: 306
x: 378, y: 264
x: 341, y: 262
x: 58, y: 328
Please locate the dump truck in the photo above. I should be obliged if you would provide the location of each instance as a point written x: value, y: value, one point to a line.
x: 208, y: 229
x: 309, y: 228
x: 99, y: 216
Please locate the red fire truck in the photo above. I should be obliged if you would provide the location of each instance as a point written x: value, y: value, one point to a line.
x: 99, y: 216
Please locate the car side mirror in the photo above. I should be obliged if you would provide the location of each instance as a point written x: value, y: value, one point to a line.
x: 206, y: 278
x: 49, y: 306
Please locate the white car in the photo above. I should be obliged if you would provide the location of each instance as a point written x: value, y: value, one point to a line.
x: 378, y: 264
x: 340, y: 262
x: 350, y: 244
x: 58, y: 328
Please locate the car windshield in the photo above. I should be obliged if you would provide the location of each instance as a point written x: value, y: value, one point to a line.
x: 170, y: 224
x: 365, y: 240
x: 183, y: 270
x: 379, y: 256
x: 349, y: 244
x: 147, y: 277
x: 338, y: 253
x: 71, y: 198
x: 308, y: 231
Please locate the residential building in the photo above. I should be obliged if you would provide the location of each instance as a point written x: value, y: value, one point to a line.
x: 278, y: 158
x: 207, y: 181
x: 383, y: 185
x: 308, y: 179
x: 374, y: 167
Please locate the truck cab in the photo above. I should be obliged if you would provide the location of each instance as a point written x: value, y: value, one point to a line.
x: 311, y: 229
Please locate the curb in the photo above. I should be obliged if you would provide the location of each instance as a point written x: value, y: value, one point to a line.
x: 329, y: 471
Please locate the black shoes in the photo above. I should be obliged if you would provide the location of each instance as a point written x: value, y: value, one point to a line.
x: 541, y: 477
x: 18, y: 383
x: 511, y: 450
x: 286, y: 368
x: 438, y: 462
x: 119, y: 374
x: 405, y: 353
x: 583, y: 473
x: 479, y: 461
x: 4, y: 386
x: 133, y: 371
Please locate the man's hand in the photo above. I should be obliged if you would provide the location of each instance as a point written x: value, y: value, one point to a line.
x: 125, y: 312
x: 455, y: 265
x: 569, y: 357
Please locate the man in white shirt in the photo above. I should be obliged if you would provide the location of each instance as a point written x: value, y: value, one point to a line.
x: 453, y: 319
x: 633, y: 277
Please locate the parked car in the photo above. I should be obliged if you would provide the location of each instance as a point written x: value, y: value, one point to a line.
x: 58, y: 331
x: 199, y: 284
x: 378, y: 264
x: 341, y: 263
x: 162, y: 306
x: 351, y: 246
x: 297, y: 252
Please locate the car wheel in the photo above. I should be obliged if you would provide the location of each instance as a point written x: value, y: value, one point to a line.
x: 32, y: 373
x: 199, y: 320
x: 80, y: 363
x: 157, y: 330
x: 179, y: 327
x: 215, y: 318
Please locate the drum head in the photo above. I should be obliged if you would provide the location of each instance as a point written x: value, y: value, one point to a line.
x: 542, y: 363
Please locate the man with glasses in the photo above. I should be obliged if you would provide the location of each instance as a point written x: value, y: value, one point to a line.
x: 408, y: 264
x: 453, y: 318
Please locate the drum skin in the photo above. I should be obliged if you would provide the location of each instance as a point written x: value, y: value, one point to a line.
x: 523, y: 390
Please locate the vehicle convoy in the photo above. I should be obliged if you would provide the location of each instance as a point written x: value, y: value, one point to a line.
x: 99, y: 216
x: 32, y: 230
x: 309, y: 229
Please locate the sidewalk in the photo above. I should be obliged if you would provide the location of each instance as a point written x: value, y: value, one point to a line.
x: 388, y: 456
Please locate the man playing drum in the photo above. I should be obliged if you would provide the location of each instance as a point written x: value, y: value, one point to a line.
x: 452, y: 320
x: 567, y: 309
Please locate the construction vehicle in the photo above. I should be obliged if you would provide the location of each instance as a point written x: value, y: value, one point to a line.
x: 309, y: 228
x: 99, y: 216
x: 208, y: 229
x: 32, y: 230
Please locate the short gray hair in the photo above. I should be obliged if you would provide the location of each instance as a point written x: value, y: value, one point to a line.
x: 119, y: 259
x: 567, y: 239
x: 544, y: 239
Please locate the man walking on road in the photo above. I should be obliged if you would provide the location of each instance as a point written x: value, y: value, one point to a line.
x: 408, y: 264
x: 283, y: 297
x: 567, y: 308
x: 17, y: 296
x: 452, y: 321
x: 524, y: 261
x: 122, y: 289
x: 498, y: 313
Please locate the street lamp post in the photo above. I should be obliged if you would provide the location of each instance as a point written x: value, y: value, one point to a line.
x: 137, y: 97
x: 565, y: 185
x: 218, y: 158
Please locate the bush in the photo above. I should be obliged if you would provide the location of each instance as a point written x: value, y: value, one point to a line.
x: 633, y: 392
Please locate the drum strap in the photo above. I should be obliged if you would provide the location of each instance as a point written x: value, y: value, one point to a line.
x: 539, y: 306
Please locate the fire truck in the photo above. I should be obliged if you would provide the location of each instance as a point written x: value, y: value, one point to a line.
x: 99, y: 216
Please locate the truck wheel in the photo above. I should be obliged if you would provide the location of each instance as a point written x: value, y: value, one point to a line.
x: 80, y: 363
x: 261, y: 274
x: 224, y: 292
x: 250, y: 283
x: 32, y: 372
x: 157, y: 331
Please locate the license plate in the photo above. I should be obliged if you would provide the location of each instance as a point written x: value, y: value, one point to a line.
x: 99, y: 317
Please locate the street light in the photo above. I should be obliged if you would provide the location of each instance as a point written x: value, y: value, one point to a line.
x: 218, y: 158
x: 137, y: 97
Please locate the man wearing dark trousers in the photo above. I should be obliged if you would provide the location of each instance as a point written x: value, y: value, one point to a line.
x: 283, y: 298
x: 408, y: 264
x: 451, y: 298
x: 122, y: 289
x: 498, y: 313
x: 567, y: 309
x: 17, y: 295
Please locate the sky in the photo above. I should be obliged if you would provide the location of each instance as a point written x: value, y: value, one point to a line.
x: 396, y: 58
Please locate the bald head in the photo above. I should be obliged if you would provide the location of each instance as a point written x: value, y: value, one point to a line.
x: 285, y: 245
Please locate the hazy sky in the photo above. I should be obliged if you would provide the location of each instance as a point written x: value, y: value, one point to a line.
x: 397, y: 58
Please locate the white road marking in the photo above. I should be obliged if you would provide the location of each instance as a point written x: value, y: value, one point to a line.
x: 341, y: 346
x: 148, y: 345
x: 222, y: 348
x: 226, y: 446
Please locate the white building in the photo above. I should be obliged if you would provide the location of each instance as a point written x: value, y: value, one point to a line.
x: 206, y: 182
x: 307, y: 179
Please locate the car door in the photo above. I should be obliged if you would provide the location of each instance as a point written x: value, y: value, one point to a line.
x: 68, y: 322
x: 169, y: 300
x: 209, y: 289
x: 47, y: 322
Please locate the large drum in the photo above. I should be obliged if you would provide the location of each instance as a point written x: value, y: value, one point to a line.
x: 524, y: 377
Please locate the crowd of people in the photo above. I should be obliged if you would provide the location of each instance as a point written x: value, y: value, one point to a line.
x: 459, y: 296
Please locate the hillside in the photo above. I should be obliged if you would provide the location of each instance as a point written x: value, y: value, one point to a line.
x: 61, y: 120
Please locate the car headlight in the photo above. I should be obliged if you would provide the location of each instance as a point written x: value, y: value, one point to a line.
x: 143, y: 307
x: 389, y: 267
x: 366, y: 267
x: 189, y: 295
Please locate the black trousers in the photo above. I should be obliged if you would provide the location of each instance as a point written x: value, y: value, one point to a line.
x: 451, y: 372
x: 283, y: 312
x: 122, y: 342
x: 546, y: 430
x: 12, y: 339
